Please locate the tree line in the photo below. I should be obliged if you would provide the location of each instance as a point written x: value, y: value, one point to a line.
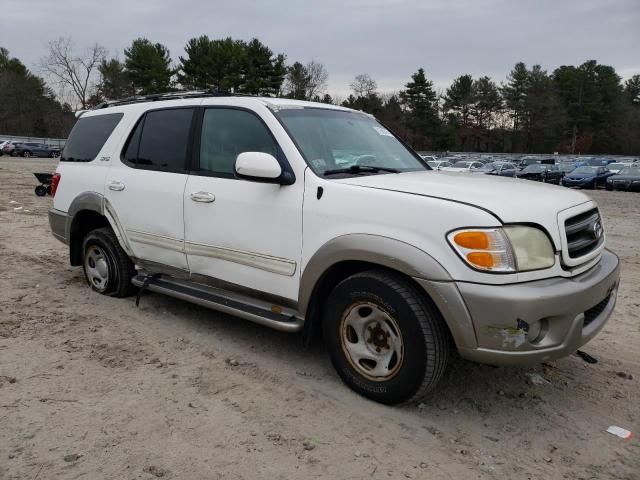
x: 572, y: 109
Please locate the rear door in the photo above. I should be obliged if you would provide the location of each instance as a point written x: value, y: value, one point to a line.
x: 145, y: 188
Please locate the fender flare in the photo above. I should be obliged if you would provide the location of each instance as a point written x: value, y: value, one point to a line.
x: 96, y: 202
x: 377, y: 249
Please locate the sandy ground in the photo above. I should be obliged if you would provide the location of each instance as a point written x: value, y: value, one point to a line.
x: 93, y: 387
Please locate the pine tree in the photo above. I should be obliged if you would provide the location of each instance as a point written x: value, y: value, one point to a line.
x: 421, y: 102
x: 148, y: 67
x: 458, y: 99
x: 114, y: 81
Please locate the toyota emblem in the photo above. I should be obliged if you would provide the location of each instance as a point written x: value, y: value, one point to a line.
x: 597, y: 229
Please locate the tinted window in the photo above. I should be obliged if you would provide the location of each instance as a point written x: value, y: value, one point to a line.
x: 226, y: 133
x: 130, y: 154
x: 165, y: 139
x: 88, y: 136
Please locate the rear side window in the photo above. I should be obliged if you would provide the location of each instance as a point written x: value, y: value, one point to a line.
x: 160, y: 140
x: 88, y: 136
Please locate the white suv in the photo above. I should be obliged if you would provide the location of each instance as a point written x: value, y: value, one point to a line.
x: 315, y: 218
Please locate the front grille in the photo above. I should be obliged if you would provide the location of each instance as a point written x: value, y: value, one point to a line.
x: 584, y: 233
x: 591, y: 314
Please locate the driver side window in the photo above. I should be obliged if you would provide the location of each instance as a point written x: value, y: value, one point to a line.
x: 226, y: 133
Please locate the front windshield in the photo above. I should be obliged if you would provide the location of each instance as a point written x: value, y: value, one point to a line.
x: 335, y: 139
x: 433, y: 164
x: 535, y: 168
x: 585, y: 170
x: 489, y: 166
x: 630, y: 171
x: 615, y: 166
x: 462, y: 164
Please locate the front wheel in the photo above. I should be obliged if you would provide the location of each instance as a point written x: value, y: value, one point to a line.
x: 385, y: 338
x: 107, y: 267
x: 41, y: 190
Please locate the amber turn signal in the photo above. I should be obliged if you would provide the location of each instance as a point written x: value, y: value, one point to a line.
x: 473, y: 240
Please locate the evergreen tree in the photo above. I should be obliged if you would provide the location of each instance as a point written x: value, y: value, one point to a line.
x: 514, y: 93
x: 114, y: 82
x: 632, y: 89
x: 148, y: 67
x: 458, y: 99
x: 421, y: 102
x: 263, y: 73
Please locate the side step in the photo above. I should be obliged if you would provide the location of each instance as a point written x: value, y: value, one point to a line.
x: 284, y: 319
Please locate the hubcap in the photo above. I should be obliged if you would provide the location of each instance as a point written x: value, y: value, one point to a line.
x: 371, y: 341
x: 97, y: 268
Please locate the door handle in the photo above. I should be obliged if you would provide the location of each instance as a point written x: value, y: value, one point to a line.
x: 116, y: 186
x: 203, y: 197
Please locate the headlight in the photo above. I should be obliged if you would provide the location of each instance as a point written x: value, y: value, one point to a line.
x: 531, y: 247
x: 503, y: 250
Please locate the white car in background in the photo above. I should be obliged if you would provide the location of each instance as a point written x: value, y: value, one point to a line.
x: 464, y: 166
x: 438, y: 164
x: 618, y: 166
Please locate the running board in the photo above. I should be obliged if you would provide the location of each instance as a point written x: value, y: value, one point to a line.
x: 273, y: 316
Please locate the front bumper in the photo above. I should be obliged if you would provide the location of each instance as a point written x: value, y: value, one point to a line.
x: 576, y: 183
x: 571, y: 310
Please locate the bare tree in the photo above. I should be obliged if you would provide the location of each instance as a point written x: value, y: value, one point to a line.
x: 317, y: 79
x: 71, y: 72
x: 363, y: 85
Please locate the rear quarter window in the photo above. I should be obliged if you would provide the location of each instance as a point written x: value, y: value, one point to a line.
x: 88, y: 136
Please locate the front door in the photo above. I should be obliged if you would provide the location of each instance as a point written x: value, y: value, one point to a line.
x: 241, y: 232
x: 146, y: 188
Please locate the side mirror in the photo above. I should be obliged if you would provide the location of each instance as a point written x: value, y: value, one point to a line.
x: 261, y: 167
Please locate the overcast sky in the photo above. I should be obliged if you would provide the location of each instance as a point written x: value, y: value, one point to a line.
x: 389, y: 39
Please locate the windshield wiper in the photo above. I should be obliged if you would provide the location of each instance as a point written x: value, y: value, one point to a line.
x: 360, y: 169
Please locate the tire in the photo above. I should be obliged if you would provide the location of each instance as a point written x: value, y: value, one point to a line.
x: 26, y: 154
x: 41, y: 190
x: 380, y: 304
x: 52, y: 155
x: 106, y: 266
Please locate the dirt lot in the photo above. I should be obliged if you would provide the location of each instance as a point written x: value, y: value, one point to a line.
x: 93, y: 387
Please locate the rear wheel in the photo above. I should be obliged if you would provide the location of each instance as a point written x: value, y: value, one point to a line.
x: 41, y: 190
x: 385, y: 339
x: 107, y: 267
x: 53, y: 155
x: 26, y: 154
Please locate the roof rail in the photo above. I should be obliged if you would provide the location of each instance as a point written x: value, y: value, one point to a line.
x: 212, y: 92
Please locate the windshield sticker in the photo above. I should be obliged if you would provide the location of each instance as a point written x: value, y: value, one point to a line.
x: 383, y: 131
x: 319, y: 163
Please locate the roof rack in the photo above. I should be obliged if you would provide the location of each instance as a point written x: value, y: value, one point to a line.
x: 212, y: 92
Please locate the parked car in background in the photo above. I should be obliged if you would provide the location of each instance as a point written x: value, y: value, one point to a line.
x: 464, y: 166
x: 627, y: 179
x: 587, y: 177
x: 502, y: 169
x: 541, y: 173
x: 567, y: 167
x: 8, y: 147
x: 32, y: 149
x: 428, y: 158
x: 438, y: 164
x: 599, y: 162
x: 526, y: 161
x: 616, y: 167
x: 2, y: 144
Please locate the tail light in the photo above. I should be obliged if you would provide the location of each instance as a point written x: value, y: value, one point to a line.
x: 55, y: 181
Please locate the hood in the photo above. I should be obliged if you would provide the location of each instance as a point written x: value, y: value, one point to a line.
x: 509, y: 199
